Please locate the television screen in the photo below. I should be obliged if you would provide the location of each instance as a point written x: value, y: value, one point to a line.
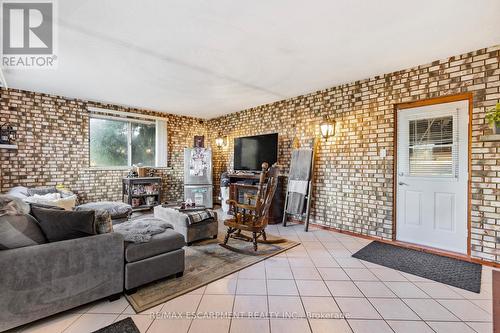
x: 251, y: 151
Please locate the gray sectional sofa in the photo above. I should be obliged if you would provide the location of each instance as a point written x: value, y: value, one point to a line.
x: 40, y: 276
x: 41, y: 280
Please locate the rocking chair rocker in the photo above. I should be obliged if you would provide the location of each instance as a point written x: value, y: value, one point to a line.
x: 250, y: 218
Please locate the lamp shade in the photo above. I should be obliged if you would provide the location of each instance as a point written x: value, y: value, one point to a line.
x: 327, y: 128
x: 219, y: 141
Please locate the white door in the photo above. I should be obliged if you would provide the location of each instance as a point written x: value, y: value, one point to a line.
x: 432, y: 167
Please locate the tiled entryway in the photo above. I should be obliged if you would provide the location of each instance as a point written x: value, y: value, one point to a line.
x: 316, y: 283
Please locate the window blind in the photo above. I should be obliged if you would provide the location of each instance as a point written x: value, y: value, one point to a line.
x: 431, y: 146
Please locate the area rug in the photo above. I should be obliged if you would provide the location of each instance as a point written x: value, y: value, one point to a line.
x: 206, y: 261
x: 126, y: 325
x: 451, y: 271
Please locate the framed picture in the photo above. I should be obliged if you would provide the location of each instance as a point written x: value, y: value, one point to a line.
x: 199, y: 141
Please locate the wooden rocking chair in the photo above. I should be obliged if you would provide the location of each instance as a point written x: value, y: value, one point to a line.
x: 250, y: 218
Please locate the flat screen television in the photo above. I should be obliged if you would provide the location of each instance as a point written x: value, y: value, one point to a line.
x: 251, y: 151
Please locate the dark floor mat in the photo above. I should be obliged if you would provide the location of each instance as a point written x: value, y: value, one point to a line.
x: 126, y: 325
x: 453, y: 272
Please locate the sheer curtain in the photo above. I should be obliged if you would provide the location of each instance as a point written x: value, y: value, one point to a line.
x: 161, y: 143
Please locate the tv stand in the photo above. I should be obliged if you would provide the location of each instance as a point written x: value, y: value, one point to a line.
x: 241, y: 182
x: 244, y: 173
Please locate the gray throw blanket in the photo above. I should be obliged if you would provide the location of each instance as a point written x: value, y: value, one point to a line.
x: 141, y: 230
x: 298, y: 180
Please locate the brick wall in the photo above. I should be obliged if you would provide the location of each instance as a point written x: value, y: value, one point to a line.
x: 354, y: 187
x: 54, y: 148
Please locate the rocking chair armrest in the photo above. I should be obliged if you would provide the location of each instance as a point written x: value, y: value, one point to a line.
x: 236, y: 204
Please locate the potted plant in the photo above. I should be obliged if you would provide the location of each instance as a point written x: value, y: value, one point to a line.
x: 493, y: 118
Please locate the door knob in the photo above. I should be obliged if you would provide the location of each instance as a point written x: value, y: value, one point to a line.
x: 401, y: 183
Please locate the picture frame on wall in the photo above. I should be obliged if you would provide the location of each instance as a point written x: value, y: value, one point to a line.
x: 199, y: 141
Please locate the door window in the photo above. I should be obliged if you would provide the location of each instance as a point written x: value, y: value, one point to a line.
x: 432, y: 147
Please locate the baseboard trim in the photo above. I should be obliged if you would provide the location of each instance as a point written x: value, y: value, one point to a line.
x: 408, y: 245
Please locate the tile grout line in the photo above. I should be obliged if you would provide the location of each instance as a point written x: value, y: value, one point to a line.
x: 234, y: 299
x: 326, y: 286
x: 298, y: 291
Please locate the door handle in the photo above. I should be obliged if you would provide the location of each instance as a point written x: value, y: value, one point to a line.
x: 403, y: 184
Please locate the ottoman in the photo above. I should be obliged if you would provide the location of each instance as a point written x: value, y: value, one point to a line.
x: 159, y: 258
x: 119, y: 211
x: 185, y: 224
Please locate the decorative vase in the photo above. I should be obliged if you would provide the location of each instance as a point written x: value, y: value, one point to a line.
x: 496, y: 127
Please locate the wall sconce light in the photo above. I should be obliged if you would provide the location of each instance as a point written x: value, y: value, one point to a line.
x: 219, y: 141
x: 327, y: 128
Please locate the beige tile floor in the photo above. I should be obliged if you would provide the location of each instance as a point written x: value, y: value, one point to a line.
x: 315, y: 287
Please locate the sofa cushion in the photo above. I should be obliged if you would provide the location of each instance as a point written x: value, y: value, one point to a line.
x: 116, y: 209
x: 167, y: 241
x: 19, y: 231
x: 58, y: 225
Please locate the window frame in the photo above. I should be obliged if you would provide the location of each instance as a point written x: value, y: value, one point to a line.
x: 129, y: 122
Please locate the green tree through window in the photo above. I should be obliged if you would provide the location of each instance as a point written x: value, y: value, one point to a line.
x: 109, y: 142
x: 143, y: 143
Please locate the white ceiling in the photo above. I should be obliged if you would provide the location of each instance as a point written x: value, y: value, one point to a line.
x: 209, y: 58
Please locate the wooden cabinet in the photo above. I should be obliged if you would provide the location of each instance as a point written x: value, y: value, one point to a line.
x: 241, y: 183
x: 141, y: 192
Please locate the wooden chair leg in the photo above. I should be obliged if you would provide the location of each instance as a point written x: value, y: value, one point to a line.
x: 229, y: 230
x: 264, y: 236
x: 254, y: 241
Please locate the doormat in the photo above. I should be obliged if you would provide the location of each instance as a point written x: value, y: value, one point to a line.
x: 450, y: 271
x: 126, y: 325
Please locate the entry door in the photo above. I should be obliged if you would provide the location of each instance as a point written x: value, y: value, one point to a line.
x: 432, y: 177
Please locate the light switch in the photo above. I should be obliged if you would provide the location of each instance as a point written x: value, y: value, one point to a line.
x: 383, y: 153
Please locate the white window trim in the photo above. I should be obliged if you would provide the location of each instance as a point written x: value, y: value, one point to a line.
x: 123, y: 114
x: 129, y: 117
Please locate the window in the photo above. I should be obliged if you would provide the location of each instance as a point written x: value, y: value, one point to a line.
x: 108, y: 142
x: 432, y: 147
x: 143, y: 143
x: 121, y: 142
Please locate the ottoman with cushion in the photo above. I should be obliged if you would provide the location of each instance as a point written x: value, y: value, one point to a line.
x: 194, y: 225
x: 152, y: 258
x: 119, y: 211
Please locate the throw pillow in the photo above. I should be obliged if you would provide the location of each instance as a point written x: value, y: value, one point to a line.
x: 58, y: 225
x: 103, y: 223
x: 18, y: 192
x: 19, y: 231
x: 41, y: 190
x: 10, y: 205
x: 53, y: 199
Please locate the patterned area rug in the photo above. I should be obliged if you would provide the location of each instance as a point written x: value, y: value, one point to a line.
x: 206, y: 261
x: 126, y: 325
x: 451, y: 271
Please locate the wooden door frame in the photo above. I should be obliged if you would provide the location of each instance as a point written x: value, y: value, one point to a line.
x: 427, y: 102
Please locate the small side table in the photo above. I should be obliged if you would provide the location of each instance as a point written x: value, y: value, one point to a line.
x: 141, y: 193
